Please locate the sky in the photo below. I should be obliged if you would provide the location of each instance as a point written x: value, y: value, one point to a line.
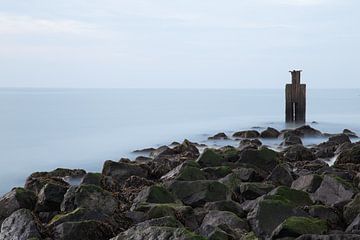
x: 178, y: 43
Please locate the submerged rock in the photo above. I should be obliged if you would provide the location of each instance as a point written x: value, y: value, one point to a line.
x: 270, y: 133
x: 264, y: 158
x: 351, y: 155
x: 219, y: 136
x: 247, y: 134
x: 297, y: 153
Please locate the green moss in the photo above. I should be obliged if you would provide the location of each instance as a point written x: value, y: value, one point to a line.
x: 209, y: 158
x: 26, y: 198
x: 342, y: 181
x: 90, y: 188
x: 291, y: 196
x: 189, y: 173
x: 249, y: 236
x: 161, y: 210
x: 61, y: 216
x: 297, y: 226
x: 158, y: 194
x: 266, y: 153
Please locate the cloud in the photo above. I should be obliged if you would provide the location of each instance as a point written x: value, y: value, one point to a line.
x: 14, y: 24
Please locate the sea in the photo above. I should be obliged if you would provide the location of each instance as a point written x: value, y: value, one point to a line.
x: 43, y: 129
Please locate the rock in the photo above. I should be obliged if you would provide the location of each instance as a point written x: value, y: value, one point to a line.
x: 333, y: 191
x: 59, y: 173
x: 352, y: 209
x: 159, y: 167
x: 68, y: 202
x: 89, y: 230
x: 226, y: 205
x: 229, y: 154
x: 197, y: 193
x: 272, y: 209
x: 226, y: 221
x: 338, y: 236
x: 270, y: 133
x: 15, y: 199
x: 160, y: 229
x: 297, y: 153
x: 154, y: 194
x: 145, y: 150
x: 325, y: 149
x: 351, y: 155
x: 329, y: 214
x: 209, y: 158
x: 264, y: 158
x: 291, y: 140
x: 187, y: 171
x: 36, y: 184
x: 92, y: 178
x: 214, y: 173
x: 120, y: 171
x: 252, y: 190
x: 78, y: 215
x: 354, y: 227
x: 307, y: 131
x: 50, y: 198
x: 297, y: 226
x: 219, y: 136
x: 249, y: 143
x: 20, y: 225
x: 247, y: 134
x: 187, y: 150
x: 308, y: 183
x: 340, y: 139
x: 281, y: 175
x: 249, y: 174
x: 350, y: 133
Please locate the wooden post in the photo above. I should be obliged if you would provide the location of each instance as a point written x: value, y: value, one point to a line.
x: 295, y: 95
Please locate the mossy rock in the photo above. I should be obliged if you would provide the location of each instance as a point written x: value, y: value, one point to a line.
x: 297, y: 226
x: 26, y: 198
x: 352, y: 209
x: 209, y: 158
x: 154, y: 194
x: 187, y: 171
x: 249, y: 236
x: 79, y: 214
x: 264, y: 158
x: 293, y: 197
x: 92, y: 178
x: 213, y: 173
x: 253, y: 190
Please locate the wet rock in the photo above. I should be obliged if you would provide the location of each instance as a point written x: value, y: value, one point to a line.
x: 120, y: 171
x: 59, y: 173
x: 354, y: 227
x: 35, y: 184
x: 352, y: 209
x: 336, y: 236
x: 247, y: 134
x: 89, y: 230
x: 294, y: 227
x: 154, y: 194
x: 68, y: 202
x: 291, y: 140
x: 329, y: 214
x: 78, y: 215
x: 252, y: 190
x: 15, y: 199
x: 307, y: 131
x: 214, y: 173
x: 270, y: 133
x: 264, y: 158
x: 145, y: 150
x: 350, y: 133
x: 209, y: 158
x: 187, y: 171
x: 308, y: 183
x: 20, y: 225
x: 340, y: 139
x: 229, y: 154
x: 281, y: 175
x: 226, y: 221
x: 351, y: 155
x: 226, y: 205
x: 326, y: 149
x: 50, y: 198
x: 187, y: 150
x: 92, y: 178
x: 197, y: 193
x: 219, y: 136
x: 298, y: 153
x: 333, y: 191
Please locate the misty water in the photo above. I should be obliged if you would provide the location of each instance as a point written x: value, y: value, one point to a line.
x: 42, y: 129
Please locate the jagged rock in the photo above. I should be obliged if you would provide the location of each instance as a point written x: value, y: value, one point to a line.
x: 209, y: 158
x: 340, y: 139
x: 337, y: 236
x: 219, y: 136
x: 92, y: 178
x: 226, y: 221
x: 197, y: 193
x: 154, y: 194
x: 120, y: 171
x: 15, y: 199
x: 325, y: 149
x: 294, y: 227
x: 307, y: 131
x: 187, y: 171
x: 308, y: 183
x: 270, y: 133
x: 249, y: 144
x: 264, y: 158
x: 59, y: 173
x: 281, y: 175
x: 333, y: 191
x: 89, y: 230
x: 291, y: 140
x: 351, y: 155
x: 214, y: 173
x: 226, y: 205
x: 247, y: 134
x: 354, y: 227
x: 297, y: 153
x: 68, y: 202
x: 272, y: 209
x: 329, y: 214
x: 20, y: 225
x: 352, y: 209
x: 350, y: 133
x: 50, y: 198
x: 144, y: 150
x: 78, y: 215
x: 229, y: 154
x: 253, y: 190
x: 35, y: 184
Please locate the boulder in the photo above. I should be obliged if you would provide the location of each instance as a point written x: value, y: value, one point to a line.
x: 340, y: 139
x: 264, y: 158
x: 291, y: 140
x: 214, y: 173
x: 92, y: 178
x: 120, y: 171
x: 351, y: 155
x: 335, y: 236
x: 334, y: 191
x: 15, y: 199
x: 247, y: 134
x: 89, y: 230
x: 187, y: 171
x: 226, y: 205
x: 354, y: 227
x: 197, y: 193
x: 307, y: 131
x: 329, y: 214
x: 154, y: 194
x: 308, y: 183
x: 298, y: 153
x: 253, y: 190
x: 50, y: 198
x: 219, y: 136
x: 226, y: 221
x: 249, y: 144
x: 20, y: 225
x: 230, y: 154
x: 35, y: 184
x: 59, y: 173
x: 209, y: 158
x: 352, y: 209
x: 325, y: 149
x: 270, y: 133
x: 281, y: 175
x: 294, y: 227
x: 350, y: 133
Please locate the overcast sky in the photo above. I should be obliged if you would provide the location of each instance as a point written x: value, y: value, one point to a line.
x: 179, y: 43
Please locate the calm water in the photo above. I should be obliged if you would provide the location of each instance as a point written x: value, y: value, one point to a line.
x: 41, y: 129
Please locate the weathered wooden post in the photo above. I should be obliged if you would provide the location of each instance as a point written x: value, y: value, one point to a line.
x: 295, y: 95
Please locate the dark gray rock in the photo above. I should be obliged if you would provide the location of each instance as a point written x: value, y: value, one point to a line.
x: 50, y: 198
x: 154, y: 194
x: 298, y: 153
x: 281, y: 175
x: 291, y: 140
x: 354, y: 227
x: 337, y: 236
x: 264, y: 158
x: 340, y: 139
x: 350, y: 133
x: 120, y: 171
x: 351, y: 155
x: 209, y: 158
x: 270, y: 133
x: 309, y: 183
x: 352, y: 209
x: 252, y: 190
x: 187, y: 171
x: 329, y: 214
x: 226, y: 205
x: 247, y: 134
x: 219, y: 136
x: 92, y: 178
